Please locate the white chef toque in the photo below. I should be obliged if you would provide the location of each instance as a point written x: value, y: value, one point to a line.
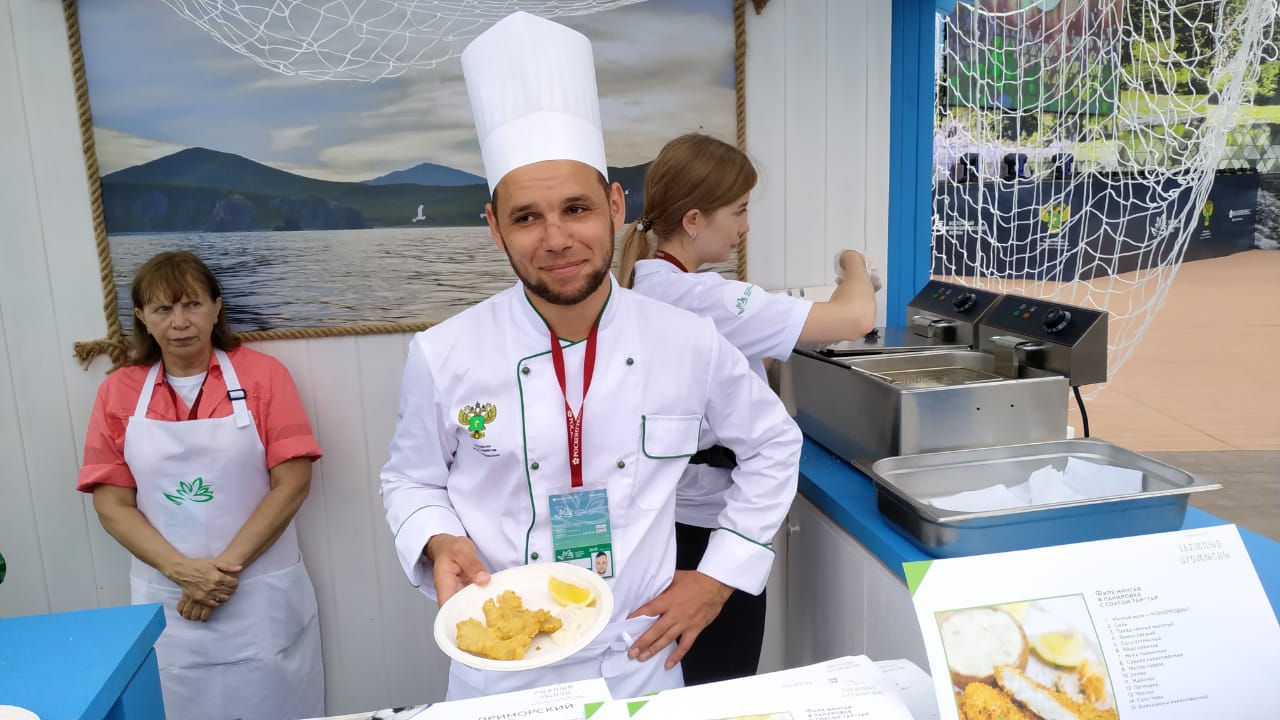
x: 532, y: 86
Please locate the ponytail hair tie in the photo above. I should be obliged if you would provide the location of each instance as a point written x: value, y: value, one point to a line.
x: 644, y: 224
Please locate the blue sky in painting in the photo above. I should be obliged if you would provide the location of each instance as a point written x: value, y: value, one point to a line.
x: 158, y: 83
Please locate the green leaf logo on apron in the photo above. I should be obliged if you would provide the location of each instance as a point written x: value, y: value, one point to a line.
x: 194, y: 491
x: 474, y: 417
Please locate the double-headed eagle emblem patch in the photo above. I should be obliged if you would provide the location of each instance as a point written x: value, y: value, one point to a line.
x: 474, y: 417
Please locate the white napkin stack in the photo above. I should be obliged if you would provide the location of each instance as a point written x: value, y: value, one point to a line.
x: 1081, y: 480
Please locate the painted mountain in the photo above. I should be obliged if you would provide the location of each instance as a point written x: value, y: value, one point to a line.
x: 201, y: 190
x: 428, y: 174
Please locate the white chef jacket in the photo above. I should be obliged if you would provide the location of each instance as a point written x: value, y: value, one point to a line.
x: 659, y: 373
x: 759, y: 323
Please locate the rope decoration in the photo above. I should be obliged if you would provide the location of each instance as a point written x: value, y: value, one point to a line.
x: 115, y: 346
x: 740, y: 93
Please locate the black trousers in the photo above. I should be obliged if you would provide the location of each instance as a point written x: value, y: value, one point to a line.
x: 730, y: 646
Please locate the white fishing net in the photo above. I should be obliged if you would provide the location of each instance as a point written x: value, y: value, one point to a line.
x: 1077, y: 140
x: 361, y: 39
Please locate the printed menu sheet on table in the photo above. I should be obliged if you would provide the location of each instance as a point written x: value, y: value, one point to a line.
x: 913, y: 685
x: 847, y: 688
x: 553, y: 702
x: 1173, y: 626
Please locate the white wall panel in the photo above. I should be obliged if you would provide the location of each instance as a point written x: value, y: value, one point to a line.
x: 766, y: 134
x: 805, y: 95
x: 35, y: 354
x: 817, y: 126
x: 844, y: 193
x: 348, y: 489
x: 25, y: 592
x: 405, y: 613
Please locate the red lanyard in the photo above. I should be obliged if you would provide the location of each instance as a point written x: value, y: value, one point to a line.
x: 195, y: 404
x: 573, y: 423
x: 664, y: 255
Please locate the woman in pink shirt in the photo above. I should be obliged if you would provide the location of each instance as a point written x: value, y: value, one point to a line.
x: 198, y: 456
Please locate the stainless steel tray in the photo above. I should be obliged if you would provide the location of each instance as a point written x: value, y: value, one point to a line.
x: 905, y: 484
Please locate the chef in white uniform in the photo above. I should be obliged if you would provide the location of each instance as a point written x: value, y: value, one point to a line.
x: 567, y: 390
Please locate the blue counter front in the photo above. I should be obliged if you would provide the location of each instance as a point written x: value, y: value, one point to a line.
x: 83, y: 665
x: 848, y: 497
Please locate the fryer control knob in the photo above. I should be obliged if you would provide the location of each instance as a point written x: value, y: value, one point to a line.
x: 1056, y: 319
x: 964, y: 301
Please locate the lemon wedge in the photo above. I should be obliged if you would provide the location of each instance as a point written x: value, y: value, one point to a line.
x: 1018, y: 610
x: 568, y: 594
x: 1064, y: 649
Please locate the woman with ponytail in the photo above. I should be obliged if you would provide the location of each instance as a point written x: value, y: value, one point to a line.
x: 695, y: 212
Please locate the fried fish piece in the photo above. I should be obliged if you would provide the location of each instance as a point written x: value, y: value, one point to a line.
x: 509, y: 618
x: 508, y: 630
x: 980, y: 701
x: 475, y: 638
x: 1047, y: 704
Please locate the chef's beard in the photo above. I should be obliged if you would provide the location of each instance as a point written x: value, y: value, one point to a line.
x: 544, y: 292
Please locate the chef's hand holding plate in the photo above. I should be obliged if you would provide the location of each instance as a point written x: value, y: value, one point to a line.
x: 457, y: 565
x: 688, y: 605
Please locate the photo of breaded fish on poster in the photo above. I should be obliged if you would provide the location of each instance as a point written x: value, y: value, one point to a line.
x: 1027, y: 660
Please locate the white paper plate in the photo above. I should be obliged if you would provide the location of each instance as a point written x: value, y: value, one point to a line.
x: 530, y: 583
x: 11, y: 712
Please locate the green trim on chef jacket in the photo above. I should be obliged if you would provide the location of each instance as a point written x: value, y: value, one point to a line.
x: 766, y: 546
x: 607, y: 298
x: 524, y: 438
x: 644, y: 447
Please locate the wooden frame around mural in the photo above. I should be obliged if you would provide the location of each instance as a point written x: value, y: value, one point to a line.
x: 116, y: 346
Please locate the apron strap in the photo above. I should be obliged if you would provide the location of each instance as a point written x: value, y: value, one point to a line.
x: 144, y: 397
x: 239, y: 408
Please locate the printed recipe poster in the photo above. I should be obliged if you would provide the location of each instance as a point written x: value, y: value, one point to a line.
x: 1173, y: 626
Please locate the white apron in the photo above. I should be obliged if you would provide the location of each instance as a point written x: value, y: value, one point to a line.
x: 605, y: 657
x: 258, y: 656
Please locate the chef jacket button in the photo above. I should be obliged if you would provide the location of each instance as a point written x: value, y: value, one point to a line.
x: 622, y: 464
x: 534, y: 465
x: 631, y: 361
x: 525, y: 369
x: 533, y: 556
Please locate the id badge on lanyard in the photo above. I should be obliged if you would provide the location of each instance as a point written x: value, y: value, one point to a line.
x: 580, y: 528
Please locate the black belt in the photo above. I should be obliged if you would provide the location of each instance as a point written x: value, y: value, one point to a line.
x: 716, y: 456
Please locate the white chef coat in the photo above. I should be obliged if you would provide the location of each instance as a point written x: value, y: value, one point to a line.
x: 659, y: 373
x: 759, y: 323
